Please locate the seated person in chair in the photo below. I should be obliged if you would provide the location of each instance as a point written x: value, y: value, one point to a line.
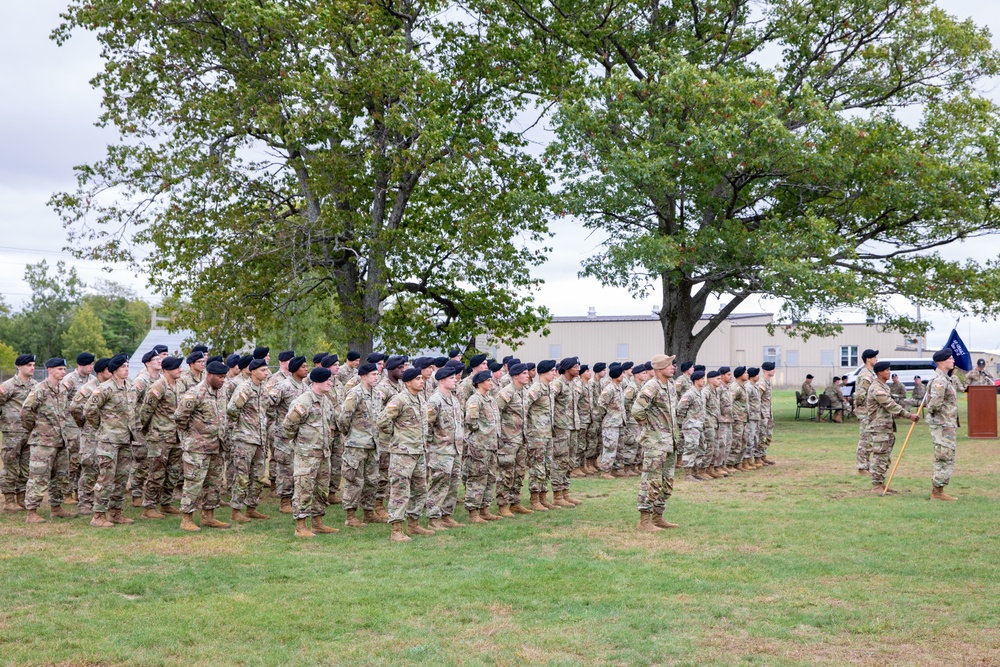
x: 836, y: 401
x: 808, y: 390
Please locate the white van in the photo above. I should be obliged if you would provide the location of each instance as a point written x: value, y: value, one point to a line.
x: 906, y: 369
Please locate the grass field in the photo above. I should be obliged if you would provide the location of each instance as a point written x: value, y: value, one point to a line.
x: 795, y: 564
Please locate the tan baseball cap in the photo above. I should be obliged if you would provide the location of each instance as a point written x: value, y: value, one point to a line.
x: 661, y: 361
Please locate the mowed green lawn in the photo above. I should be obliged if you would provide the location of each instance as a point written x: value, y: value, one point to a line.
x: 794, y: 564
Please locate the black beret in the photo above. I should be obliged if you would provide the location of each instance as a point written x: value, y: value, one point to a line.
x: 200, y: 348
x: 454, y: 352
x: 55, y: 362
x: 245, y: 361
x: 214, y: 357
x: 868, y: 354
x: 169, y: 364
x: 584, y: 368
x: 712, y: 374
x: 160, y: 349
x: 233, y: 360
x: 477, y: 360
x: 260, y: 352
x: 767, y: 366
x: 698, y: 367
x: 285, y: 355
x: 530, y: 365
x: 614, y: 363
x: 84, y: 359
x: 753, y: 371
x: 627, y: 365
x: 366, y: 368
x: 940, y: 355
x: 217, y: 368
x: 506, y: 360
x: 739, y: 371
x: 441, y: 362
x: 599, y: 366
x: 517, y: 369
x: 420, y: 363
x: 881, y: 366
x: 394, y: 362
x: 455, y: 363
x: 295, y: 363
x: 329, y: 360
x: 101, y: 364
x: 697, y: 375
x: 513, y: 360
x: 195, y: 356
x: 411, y: 373
x: 615, y: 372
x: 117, y: 362
x: 686, y: 365
x: 256, y: 363
x: 481, y: 376
x: 148, y: 357
x: 809, y: 376
x: 567, y: 363
x: 495, y: 366
x: 317, y: 358
x: 445, y: 372
x: 336, y: 358
x: 546, y: 365
x: 319, y: 375
x: 375, y: 357
x: 353, y: 355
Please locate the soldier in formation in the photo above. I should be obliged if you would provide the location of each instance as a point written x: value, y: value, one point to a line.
x: 883, y: 408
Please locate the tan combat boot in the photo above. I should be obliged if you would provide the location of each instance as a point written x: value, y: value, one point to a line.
x: 504, y: 511
x: 536, y: 503
x: 543, y: 498
x: 21, y: 507
x: 59, y: 513
x: 369, y: 517
x: 758, y: 463
x: 397, y: 533
x: 605, y: 475
x: 187, y: 522
x: 136, y: 501
x: 436, y: 524
x: 169, y: 509
x: 518, y: 508
x: 646, y: 523
x: 319, y: 527
x: 285, y: 506
x: 937, y: 493
x: 10, y: 503
x: 150, y: 513
x: 634, y: 471
x: 592, y: 464
x: 413, y: 527
x: 862, y: 471
x: 577, y: 473
x: 252, y: 513
x: 71, y: 499
x: 100, y: 520
x: 485, y: 513
x: 238, y: 517
x: 116, y: 516
x: 620, y: 472
x: 474, y: 517
x: 302, y: 530
x: 659, y: 522
x: 449, y: 521
x: 878, y: 489
x: 34, y: 517
x: 767, y: 461
x: 711, y: 472
x: 352, y: 520
x: 380, y: 511
x: 569, y: 499
x: 208, y: 520
x: 689, y: 475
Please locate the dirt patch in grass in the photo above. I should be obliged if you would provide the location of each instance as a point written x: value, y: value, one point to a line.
x: 213, y: 544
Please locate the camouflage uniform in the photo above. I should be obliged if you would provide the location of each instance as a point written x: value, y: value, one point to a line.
x: 336, y: 396
x: 710, y: 429
x: 861, y: 385
x: 482, y: 442
x: 344, y: 376
x: 978, y: 377
x: 611, y: 412
x: 445, y: 435
x: 513, y: 452
x: 741, y: 409
x: 726, y: 420
x: 16, y: 453
x: 919, y: 390
x: 247, y: 411
x: 404, y: 423
x: 71, y: 431
x: 204, y: 428
x: 565, y: 432
x: 280, y: 398
x: 882, y: 411
x: 538, y: 402
x: 44, y: 418
x: 655, y: 408
x: 88, y: 447
x: 942, y: 417
x: 691, y: 416
x: 464, y: 390
x: 898, y: 391
x: 753, y: 420
x: 682, y: 384
x: 766, y: 427
x: 140, y: 450
x: 594, y: 437
x: 581, y: 395
x: 111, y: 411
x: 384, y: 391
x: 628, y: 453
x: 187, y: 381
x: 360, y: 462
x: 309, y: 428
x: 163, y: 445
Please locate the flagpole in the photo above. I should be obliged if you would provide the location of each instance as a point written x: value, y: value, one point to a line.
x: 903, y: 448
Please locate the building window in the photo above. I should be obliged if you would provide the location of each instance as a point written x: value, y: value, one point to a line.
x: 792, y: 358
x: 555, y: 351
x: 772, y: 353
x: 621, y: 351
x: 848, y: 355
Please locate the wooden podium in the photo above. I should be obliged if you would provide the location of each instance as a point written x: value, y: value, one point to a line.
x: 982, y: 411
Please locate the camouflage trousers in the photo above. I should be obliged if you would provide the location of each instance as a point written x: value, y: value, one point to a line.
x: 359, y: 468
x: 283, y: 462
x: 723, y: 443
x: 593, y: 441
x: 272, y: 468
x: 764, y: 434
x: 407, y: 486
x: 564, y: 443
x: 202, y: 481
x: 229, y: 463
x: 611, y: 437
x: 248, y: 475
x: 312, y: 486
x: 382, y: 490
x: 140, y: 469
x: 479, y: 472
x: 48, y: 470
x: 657, y: 482
x: 944, y: 440
x: 165, y: 470
x: 538, y: 464
x: 751, y: 437
x: 628, y: 451
x: 710, y: 440
x: 445, y: 473
x: 512, y: 461
x: 737, y: 444
x: 882, y: 444
x: 16, y: 463
x: 864, y: 453
x: 694, y: 447
x: 582, y: 442
x: 73, y: 446
x: 88, y: 474
x: 336, y: 463
x: 113, y: 463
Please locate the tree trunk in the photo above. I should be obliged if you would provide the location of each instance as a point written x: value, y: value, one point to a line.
x: 681, y: 313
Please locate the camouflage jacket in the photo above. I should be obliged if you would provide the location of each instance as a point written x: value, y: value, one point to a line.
x: 807, y: 390
x: 538, y: 401
x: 188, y: 381
x: 277, y: 378
x: 310, y: 425
x: 358, y: 418
x: 13, y: 393
x: 513, y: 414
x: 482, y: 423
x: 201, y: 420
x: 882, y: 410
x: 631, y: 392
x: 753, y: 401
x: 942, y: 401
x: 71, y: 384
x: 898, y: 391
x: 836, y: 398
x: 741, y: 406
x: 725, y: 395
x: 764, y: 389
x: 112, y: 411
x: 247, y: 411
x: 345, y: 374
x: 156, y: 414
x: 595, y: 388
x: 445, y: 430
x: 655, y: 409
x: 611, y: 406
x: 279, y: 402
x: 142, y: 382
x: 918, y: 393
x: 977, y: 377
x: 430, y: 387
x: 464, y: 390
x: 861, y: 385
x: 583, y: 406
x: 691, y: 409
x: 232, y: 382
x: 44, y: 415
x: 79, y: 401
x: 711, y: 398
x: 565, y: 414
x: 682, y: 384
x: 404, y: 423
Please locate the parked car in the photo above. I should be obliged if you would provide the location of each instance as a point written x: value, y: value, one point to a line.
x: 906, y: 369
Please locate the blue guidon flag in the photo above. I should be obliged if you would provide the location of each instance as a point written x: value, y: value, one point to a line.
x: 963, y: 359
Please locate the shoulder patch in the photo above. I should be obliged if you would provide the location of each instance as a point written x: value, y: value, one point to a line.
x: 299, y: 408
x: 648, y: 392
x: 155, y: 392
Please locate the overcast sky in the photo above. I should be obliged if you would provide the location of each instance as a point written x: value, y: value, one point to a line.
x: 47, y: 127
